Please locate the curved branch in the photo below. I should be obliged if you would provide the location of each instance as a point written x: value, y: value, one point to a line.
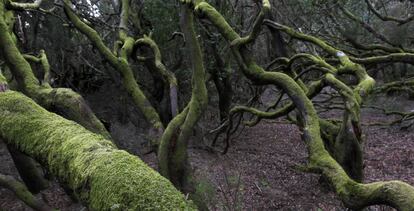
x: 42, y: 59
x: 389, y: 58
x: 120, y: 64
x: 366, y: 83
x: 365, y: 25
x: 372, y: 47
x: 167, y: 75
x: 355, y: 195
x: 400, y: 21
x: 24, y: 6
x: 257, y: 26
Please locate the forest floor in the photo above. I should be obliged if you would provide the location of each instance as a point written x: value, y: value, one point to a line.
x: 259, y: 171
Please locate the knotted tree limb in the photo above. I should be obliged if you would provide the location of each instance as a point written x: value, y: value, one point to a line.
x: 120, y: 63
x: 99, y: 174
x: 348, y: 140
x: 354, y: 195
x: 347, y: 66
x: 20, y: 190
x: 42, y: 59
x: 166, y: 93
x: 313, y: 90
x: 168, y: 76
x: 257, y: 26
x: 400, y: 21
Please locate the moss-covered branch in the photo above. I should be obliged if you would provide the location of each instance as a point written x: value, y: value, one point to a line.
x: 42, y: 59
x: 20, y: 190
x: 355, y: 195
x: 388, y: 58
x: 120, y: 64
x: 173, y: 153
x: 23, y: 6
x: 347, y: 64
x: 63, y: 101
x: 167, y: 75
x: 257, y: 26
x: 29, y: 170
x: 100, y: 175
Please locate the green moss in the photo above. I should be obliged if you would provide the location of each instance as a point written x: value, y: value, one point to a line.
x: 119, y: 63
x: 98, y: 173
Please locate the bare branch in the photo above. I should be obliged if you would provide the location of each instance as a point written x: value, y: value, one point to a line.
x: 400, y: 21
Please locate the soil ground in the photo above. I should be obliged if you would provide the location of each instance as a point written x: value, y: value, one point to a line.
x: 259, y: 171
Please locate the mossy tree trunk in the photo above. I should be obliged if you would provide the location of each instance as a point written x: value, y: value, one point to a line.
x: 99, y: 174
x: 172, y: 152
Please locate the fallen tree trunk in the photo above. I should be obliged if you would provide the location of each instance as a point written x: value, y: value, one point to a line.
x: 102, y: 176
